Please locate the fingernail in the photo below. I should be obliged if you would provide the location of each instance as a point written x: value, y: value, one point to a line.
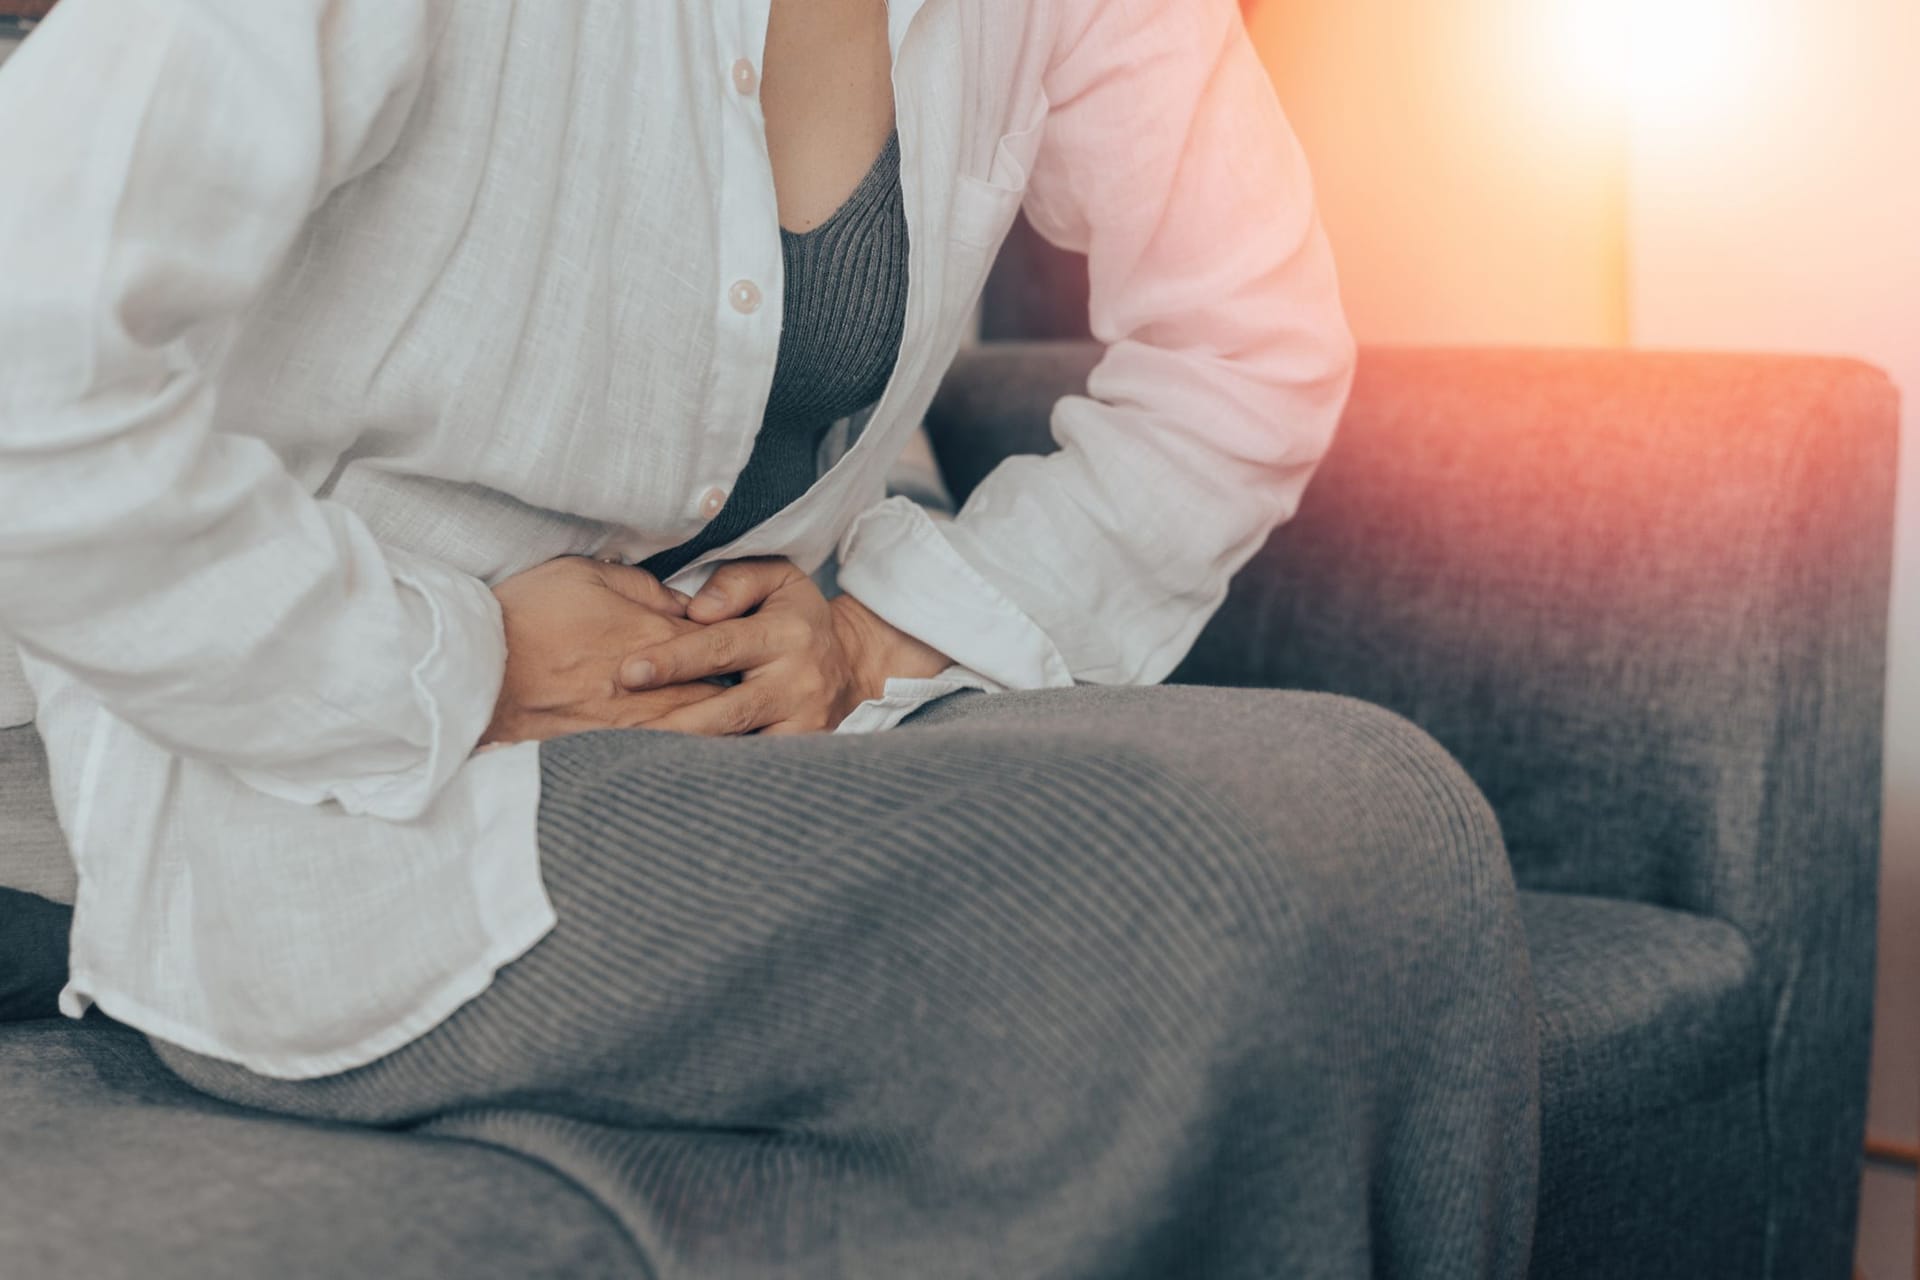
x: 638, y: 674
x: 682, y: 597
x: 712, y: 596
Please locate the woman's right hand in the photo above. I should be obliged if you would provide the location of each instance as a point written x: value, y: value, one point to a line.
x: 569, y: 624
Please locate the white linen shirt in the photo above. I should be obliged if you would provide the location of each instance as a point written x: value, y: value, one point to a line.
x: 320, y: 317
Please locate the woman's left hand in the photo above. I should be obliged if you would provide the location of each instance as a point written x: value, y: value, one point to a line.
x: 804, y: 661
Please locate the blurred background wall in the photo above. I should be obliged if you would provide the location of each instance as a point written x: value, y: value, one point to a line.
x: 1471, y: 199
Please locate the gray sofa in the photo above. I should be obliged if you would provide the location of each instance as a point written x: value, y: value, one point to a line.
x: 1643, y: 599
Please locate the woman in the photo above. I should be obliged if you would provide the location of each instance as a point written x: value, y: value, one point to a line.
x: 395, y: 390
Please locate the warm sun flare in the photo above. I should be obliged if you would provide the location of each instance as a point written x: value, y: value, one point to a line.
x: 1663, y: 59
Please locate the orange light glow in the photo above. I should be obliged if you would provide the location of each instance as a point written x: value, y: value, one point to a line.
x: 1668, y: 60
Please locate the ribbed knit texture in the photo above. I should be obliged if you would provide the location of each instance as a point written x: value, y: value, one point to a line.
x: 845, y: 312
x: 1102, y: 983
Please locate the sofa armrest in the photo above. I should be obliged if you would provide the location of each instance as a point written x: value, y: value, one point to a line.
x: 1644, y: 599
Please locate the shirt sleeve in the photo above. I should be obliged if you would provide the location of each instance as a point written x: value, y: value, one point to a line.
x: 160, y: 159
x: 1165, y: 157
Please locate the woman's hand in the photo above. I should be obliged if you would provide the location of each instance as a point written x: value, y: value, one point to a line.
x: 804, y: 662
x: 569, y: 623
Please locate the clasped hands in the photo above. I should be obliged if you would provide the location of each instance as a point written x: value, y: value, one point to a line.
x: 595, y: 645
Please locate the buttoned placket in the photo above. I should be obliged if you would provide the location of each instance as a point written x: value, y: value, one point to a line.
x: 906, y: 371
x: 751, y: 272
x: 750, y: 275
x: 749, y: 312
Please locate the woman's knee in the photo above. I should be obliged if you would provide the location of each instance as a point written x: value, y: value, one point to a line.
x: 1347, y: 820
x: 1420, y: 855
x: 1413, y: 791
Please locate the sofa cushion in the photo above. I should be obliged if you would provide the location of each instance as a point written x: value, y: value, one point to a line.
x: 33, y: 955
x: 113, y: 1168
x: 1652, y: 1052
x: 36, y: 878
x: 33, y: 849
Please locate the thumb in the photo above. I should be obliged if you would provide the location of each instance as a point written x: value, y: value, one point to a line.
x: 641, y: 587
x: 740, y: 586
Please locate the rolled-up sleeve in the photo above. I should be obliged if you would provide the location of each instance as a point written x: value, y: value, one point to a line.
x: 159, y: 162
x: 1167, y: 160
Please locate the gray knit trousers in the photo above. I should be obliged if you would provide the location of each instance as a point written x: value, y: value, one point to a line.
x: 1111, y: 984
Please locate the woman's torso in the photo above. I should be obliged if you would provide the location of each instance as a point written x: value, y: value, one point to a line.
x: 550, y: 316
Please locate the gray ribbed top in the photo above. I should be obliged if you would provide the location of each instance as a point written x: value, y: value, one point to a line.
x: 845, y: 311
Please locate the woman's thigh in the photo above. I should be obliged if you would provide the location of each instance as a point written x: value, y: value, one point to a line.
x: 768, y: 931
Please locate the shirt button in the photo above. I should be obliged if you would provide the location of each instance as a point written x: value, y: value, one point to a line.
x: 745, y: 297
x: 745, y: 78
x: 711, y: 501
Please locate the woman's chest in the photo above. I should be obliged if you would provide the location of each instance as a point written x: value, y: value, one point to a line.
x: 565, y: 281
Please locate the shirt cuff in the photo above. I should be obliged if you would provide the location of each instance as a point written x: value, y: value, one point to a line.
x: 902, y: 697
x: 895, y: 561
x: 454, y: 684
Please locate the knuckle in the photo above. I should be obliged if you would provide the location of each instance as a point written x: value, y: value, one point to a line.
x: 787, y: 632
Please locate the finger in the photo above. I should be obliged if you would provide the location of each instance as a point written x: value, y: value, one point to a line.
x: 641, y: 587
x: 720, y: 649
x: 789, y: 728
x: 739, y: 586
x: 638, y: 710
x: 739, y: 710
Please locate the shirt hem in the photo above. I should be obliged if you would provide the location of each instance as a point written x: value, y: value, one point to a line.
x: 513, y: 907
x: 84, y: 989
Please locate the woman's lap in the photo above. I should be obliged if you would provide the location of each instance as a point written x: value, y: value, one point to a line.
x: 1023, y: 966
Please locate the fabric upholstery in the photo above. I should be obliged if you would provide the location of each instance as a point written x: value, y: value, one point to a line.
x: 33, y: 955
x: 33, y: 851
x: 114, y: 1170
x: 36, y: 882
x: 1652, y: 1051
x: 1643, y: 598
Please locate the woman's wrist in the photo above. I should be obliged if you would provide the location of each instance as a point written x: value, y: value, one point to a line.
x: 879, y: 651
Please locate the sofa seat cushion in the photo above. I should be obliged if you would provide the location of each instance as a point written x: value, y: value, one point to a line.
x: 1640, y: 1008
x: 1652, y: 1051
x: 113, y: 1168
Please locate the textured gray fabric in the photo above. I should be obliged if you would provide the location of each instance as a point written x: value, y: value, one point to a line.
x: 1652, y: 1052
x: 33, y: 955
x: 36, y: 882
x: 33, y: 850
x: 111, y: 1169
x: 840, y: 333
x: 1078, y: 983
x: 1643, y: 598
x: 1641, y: 1008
